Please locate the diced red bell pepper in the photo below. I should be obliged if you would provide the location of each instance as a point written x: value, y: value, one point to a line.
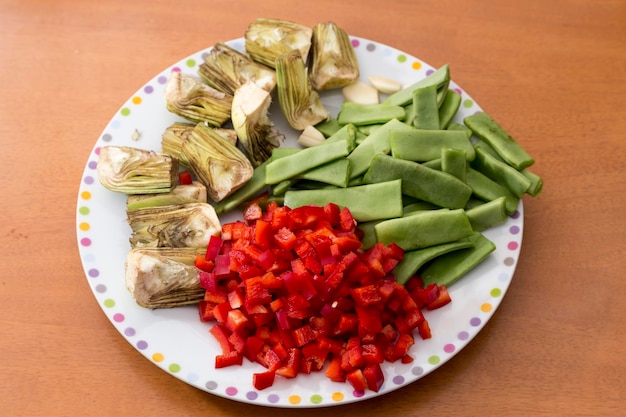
x: 203, y: 264
x: 334, y: 372
x: 263, y: 380
x: 442, y: 299
x: 374, y: 376
x: 228, y: 359
x: 185, y: 178
x: 205, y: 309
x: 357, y: 380
x: 291, y: 366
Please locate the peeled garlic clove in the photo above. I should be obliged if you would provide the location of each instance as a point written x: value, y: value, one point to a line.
x: 384, y: 85
x: 360, y: 92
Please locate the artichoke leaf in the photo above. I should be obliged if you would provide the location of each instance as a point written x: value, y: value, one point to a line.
x: 227, y: 69
x: 163, y: 277
x: 174, y: 226
x: 334, y: 63
x: 131, y: 170
x: 215, y: 162
x: 300, y: 103
x: 181, y: 194
x: 192, y: 99
x: 267, y: 39
x: 256, y: 132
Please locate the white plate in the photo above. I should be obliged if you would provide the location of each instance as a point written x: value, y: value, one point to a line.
x: 176, y: 341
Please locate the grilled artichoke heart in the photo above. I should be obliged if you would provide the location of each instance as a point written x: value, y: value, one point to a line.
x: 186, y: 225
x: 131, y: 170
x: 181, y: 194
x: 299, y: 102
x: 255, y: 130
x: 267, y: 39
x: 334, y: 63
x: 227, y: 69
x: 195, y: 101
x: 163, y: 277
x: 215, y: 162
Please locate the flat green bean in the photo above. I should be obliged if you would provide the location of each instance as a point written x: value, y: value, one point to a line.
x: 439, y: 78
x: 413, y: 260
x: 491, y: 132
x: 454, y: 162
x: 501, y: 172
x: 366, y: 202
x: 420, y: 182
x: 488, y: 214
x: 425, y: 114
x: 424, y: 145
x: 447, y: 269
x: 486, y: 189
x: 449, y: 108
x: 425, y: 228
x: 368, y: 114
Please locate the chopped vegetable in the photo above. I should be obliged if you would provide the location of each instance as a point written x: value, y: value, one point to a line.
x: 491, y: 132
x: 334, y: 62
x: 195, y: 192
x: 368, y: 114
x: 267, y: 39
x: 195, y: 101
x: 226, y: 69
x: 131, y: 170
x: 297, y: 294
x: 439, y: 78
x: 163, y: 277
x: 300, y: 103
x: 215, y: 162
x: 255, y: 130
x: 185, y: 225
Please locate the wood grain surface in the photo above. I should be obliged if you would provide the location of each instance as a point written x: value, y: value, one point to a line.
x: 552, y: 72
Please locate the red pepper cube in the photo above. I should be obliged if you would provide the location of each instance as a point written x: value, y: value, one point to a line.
x: 221, y: 335
x: 205, y: 310
x: 236, y: 297
x: 372, y: 353
x: 442, y: 299
x: 185, y: 178
x: 203, y: 264
x: 285, y: 238
x: 423, y: 329
x: 208, y: 280
x: 252, y: 211
x: 238, y: 341
x: 236, y: 321
x: 220, y: 311
x: 253, y: 347
x: 228, y: 359
x: 213, y: 247
x: 357, y: 380
x: 263, y: 380
x: 291, y: 365
x: 369, y: 321
x: 334, y: 372
x: 303, y: 335
x: 216, y: 297
x: 313, y: 358
x: 366, y: 296
x: 255, y: 292
x: 374, y: 376
x: 402, y: 345
x: 346, y: 220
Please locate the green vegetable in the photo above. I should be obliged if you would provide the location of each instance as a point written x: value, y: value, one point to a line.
x: 462, y: 128
x: 491, y: 132
x: 366, y: 202
x: 377, y: 142
x: 425, y: 145
x: 298, y: 163
x: 449, y: 108
x: 420, y: 182
x: 454, y: 162
x: 250, y: 189
x: 447, y: 269
x: 486, y: 189
x: 439, y: 78
x: 486, y: 215
x: 336, y: 172
x: 414, y: 259
x: 425, y: 228
x: 501, y: 172
x: 425, y: 114
x: 368, y: 114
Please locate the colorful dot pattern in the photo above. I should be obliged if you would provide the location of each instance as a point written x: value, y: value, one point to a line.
x: 489, y: 301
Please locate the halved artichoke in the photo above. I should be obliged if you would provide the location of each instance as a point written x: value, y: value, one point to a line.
x: 186, y: 225
x: 173, y: 138
x: 193, y: 100
x: 163, y: 277
x: 181, y: 194
x: 131, y: 170
x: 300, y: 103
x: 334, y: 63
x: 215, y: 162
x: 267, y: 39
x: 226, y: 69
x: 255, y: 130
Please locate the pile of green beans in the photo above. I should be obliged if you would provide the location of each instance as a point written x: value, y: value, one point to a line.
x: 410, y: 176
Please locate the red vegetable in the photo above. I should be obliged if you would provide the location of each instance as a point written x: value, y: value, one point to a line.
x: 293, y: 290
x: 184, y: 178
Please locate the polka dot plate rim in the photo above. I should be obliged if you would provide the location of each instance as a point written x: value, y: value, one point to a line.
x: 178, y: 343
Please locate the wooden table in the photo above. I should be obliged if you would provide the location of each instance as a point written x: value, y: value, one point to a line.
x: 553, y: 73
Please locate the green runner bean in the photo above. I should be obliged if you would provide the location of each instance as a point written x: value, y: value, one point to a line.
x: 449, y: 108
x: 488, y: 214
x: 454, y: 162
x: 425, y: 114
x: 425, y: 145
x: 368, y: 114
x: 501, y: 172
x: 420, y: 182
x: 439, y: 78
x: 425, y: 228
